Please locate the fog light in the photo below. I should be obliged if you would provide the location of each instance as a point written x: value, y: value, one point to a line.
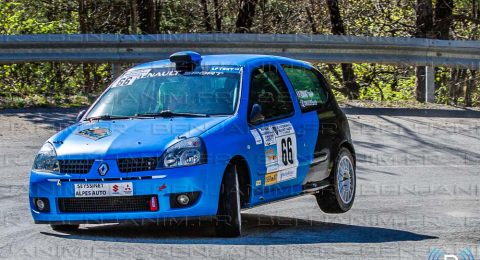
x: 183, y: 199
x: 40, y: 204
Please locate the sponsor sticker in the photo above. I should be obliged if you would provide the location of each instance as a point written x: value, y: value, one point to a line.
x: 272, y: 168
x: 282, y: 138
x: 265, y: 130
x: 103, y: 189
x: 280, y: 147
x: 283, y: 129
x: 280, y: 176
x: 256, y: 135
x: 95, y: 133
x: 269, y: 139
x: 271, y: 178
x: 225, y: 69
x: 271, y: 154
x: 308, y: 98
x: 287, y: 174
x: 130, y: 76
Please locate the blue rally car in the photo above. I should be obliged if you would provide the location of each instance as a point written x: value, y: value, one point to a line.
x: 198, y: 137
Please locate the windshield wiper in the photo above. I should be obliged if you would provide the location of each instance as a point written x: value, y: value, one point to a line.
x: 106, y: 117
x: 169, y: 113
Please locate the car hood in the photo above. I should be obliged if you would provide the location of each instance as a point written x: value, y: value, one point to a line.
x: 127, y: 138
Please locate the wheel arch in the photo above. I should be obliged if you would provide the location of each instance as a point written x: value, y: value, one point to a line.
x: 244, y: 177
x: 334, y: 150
x: 350, y: 147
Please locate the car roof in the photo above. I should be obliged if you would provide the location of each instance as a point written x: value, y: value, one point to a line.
x: 226, y: 60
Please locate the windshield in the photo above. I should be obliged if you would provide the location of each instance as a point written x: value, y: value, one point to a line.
x: 209, y: 90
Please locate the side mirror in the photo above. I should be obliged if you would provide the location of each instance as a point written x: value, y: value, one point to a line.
x: 256, y: 114
x: 80, y: 115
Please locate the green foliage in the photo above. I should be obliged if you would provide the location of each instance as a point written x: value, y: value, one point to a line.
x: 26, y: 17
x: 64, y: 84
x: 377, y: 82
x: 385, y: 83
x: 46, y: 84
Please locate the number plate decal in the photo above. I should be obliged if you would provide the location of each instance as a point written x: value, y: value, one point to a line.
x: 280, y: 145
x: 103, y: 189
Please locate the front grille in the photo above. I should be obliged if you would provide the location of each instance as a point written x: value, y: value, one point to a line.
x: 137, y: 164
x: 106, y: 204
x: 75, y: 166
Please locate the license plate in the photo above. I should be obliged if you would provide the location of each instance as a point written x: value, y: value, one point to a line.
x: 103, y: 189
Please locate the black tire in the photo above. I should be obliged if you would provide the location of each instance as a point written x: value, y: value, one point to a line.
x: 65, y: 227
x: 229, y: 220
x: 329, y: 199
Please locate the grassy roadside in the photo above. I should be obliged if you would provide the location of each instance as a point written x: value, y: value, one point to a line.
x: 42, y: 101
x: 400, y: 104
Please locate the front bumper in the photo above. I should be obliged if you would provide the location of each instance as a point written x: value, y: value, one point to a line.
x: 201, y: 178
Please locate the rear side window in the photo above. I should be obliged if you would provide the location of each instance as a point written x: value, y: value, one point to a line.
x: 309, y: 87
x: 268, y: 89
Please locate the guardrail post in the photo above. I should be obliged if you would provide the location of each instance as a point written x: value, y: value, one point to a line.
x: 429, y: 84
x: 116, y: 70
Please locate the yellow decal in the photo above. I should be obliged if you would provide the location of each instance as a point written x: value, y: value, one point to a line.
x: 258, y: 182
x: 271, y: 178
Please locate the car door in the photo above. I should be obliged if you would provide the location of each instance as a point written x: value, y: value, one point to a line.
x: 314, y: 97
x: 280, y: 146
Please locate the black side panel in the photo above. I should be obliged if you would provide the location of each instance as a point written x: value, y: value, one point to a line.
x: 324, y: 148
x: 333, y: 131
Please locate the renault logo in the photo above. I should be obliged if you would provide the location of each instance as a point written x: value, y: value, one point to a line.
x: 103, y: 169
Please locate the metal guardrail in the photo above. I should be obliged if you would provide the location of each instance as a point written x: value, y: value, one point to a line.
x: 99, y: 48
x: 94, y: 48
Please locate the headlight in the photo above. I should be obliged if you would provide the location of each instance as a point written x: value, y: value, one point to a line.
x: 46, y: 160
x: 187, y: 152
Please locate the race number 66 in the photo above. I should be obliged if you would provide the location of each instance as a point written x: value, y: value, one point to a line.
x: 287, y: 151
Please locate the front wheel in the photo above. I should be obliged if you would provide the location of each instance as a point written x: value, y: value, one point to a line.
x: 229, y: 220
x: 339, y: 197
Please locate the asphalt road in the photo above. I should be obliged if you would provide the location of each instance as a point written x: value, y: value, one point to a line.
x: 418, y: 189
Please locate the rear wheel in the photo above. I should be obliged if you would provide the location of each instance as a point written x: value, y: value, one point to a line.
x: 65, y: 227
x: 229, y: 220
x: 339, y: 197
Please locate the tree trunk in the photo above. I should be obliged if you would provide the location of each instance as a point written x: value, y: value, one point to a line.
x: 310, y: 17
x: 420, y: 83
x: 424, y: 19
x: 82, y: 21
x: 457, y: 84
x: 146, y: 16
x: 443, y: 19
x: 56, y: 82
x: 245, y: 16
x: 206, y: 18
x: 335, y: 17
x: 82, y: 16
x: 347, y: 70
x: 424, y: 27
x: 218, y: 16
x: 471, y: 84
x: 134, y: 17
x: 158, y: 14
x: 441, y: 28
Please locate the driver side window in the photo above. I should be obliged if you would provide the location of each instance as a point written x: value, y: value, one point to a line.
x: 268, y: 90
